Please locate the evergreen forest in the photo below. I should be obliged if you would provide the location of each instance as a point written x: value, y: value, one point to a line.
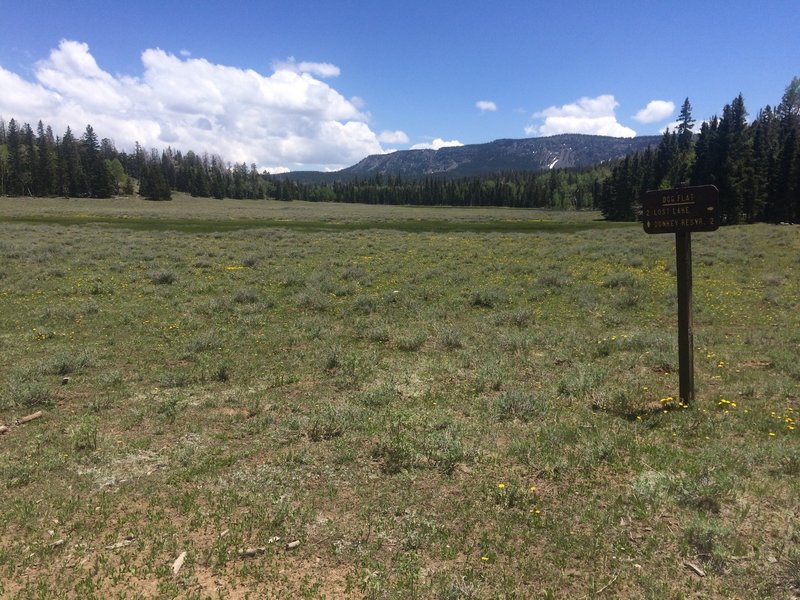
x: 755, y: 165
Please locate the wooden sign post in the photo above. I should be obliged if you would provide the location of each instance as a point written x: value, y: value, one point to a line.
x: 682, y: 211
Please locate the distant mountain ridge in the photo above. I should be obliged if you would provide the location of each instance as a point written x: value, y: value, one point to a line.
x: 528, y: 154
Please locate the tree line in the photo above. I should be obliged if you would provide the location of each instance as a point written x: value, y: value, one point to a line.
x: 755, y: 166
x: 43, y: 164
x: 557, y: 188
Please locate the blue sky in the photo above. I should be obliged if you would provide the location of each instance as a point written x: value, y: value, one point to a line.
x: 319, y: 85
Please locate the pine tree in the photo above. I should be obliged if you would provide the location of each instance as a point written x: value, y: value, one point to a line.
x: 706, y: 150
x: 138, y: 162
x: 47, y: 161
x: 152, y: 182
x: 15, y: 159
x: 28, y: 161
x: 786, y: 186
x: 785, y: 180
x: 736, y: 173
x: 765, y: 155
x: 168, y: 167
x: 667, y: 155
x: 71, y: 173
x: 99, y: 179
x: 788, y: 110
x: 685, y: 126
x: 621, y: 191
x: 107, y: 149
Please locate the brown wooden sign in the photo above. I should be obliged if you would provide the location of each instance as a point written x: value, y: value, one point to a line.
x: 681, y: 209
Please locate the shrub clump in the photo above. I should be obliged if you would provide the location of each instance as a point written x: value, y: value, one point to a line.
x: 163, y: 277
x: 245, y: 296
x: 518, y: 404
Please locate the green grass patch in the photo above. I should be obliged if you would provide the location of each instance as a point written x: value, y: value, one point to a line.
x: 434, y: 403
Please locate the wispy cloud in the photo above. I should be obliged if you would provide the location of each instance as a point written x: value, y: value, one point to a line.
x: 655, y: 111
x: 593, y: 116
x: 436, y: 144
x: 288, y: 118
x: 323, y: 70
x: 486, y: 105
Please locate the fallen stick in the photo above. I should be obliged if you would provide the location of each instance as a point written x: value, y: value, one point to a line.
x: 697, y: 570
x: 28, y: 418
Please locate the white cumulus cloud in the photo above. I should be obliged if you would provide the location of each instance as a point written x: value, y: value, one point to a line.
x: 486, y: 105
x: 286, y: 119
x: 655, y: 111
x: 436, y: 144
x: 593, y: 116
x: 393, y: 137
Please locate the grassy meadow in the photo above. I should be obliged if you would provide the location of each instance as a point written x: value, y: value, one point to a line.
x: 288, y: 400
